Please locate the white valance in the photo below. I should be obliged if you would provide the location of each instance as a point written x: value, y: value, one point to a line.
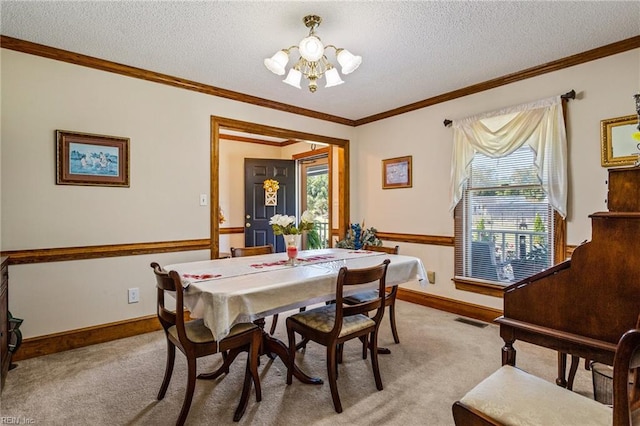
x: 539, y: 124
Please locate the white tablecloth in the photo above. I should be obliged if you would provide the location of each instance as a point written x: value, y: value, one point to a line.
x: 225, y: 292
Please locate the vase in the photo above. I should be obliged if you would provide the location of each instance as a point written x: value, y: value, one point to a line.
x: 292, y: 244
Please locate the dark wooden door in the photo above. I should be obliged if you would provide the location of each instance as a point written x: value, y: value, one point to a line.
x: 257, y: 230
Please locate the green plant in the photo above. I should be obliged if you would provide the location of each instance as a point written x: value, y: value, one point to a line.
x: 538, y: 226
x: 313, y: 239
x: 483, y: 236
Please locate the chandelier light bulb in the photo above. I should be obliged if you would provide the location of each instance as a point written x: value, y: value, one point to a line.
x: 277, y: 62
x: 293, y: 78
x: 311, y: 48
x: 333, y: 78
x: 348, y: 61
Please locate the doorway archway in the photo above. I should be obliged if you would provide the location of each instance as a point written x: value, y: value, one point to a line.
x: 222, y: 123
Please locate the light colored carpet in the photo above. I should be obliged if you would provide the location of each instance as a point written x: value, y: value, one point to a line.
x: 116, y: 383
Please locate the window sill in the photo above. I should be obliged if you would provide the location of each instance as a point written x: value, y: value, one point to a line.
x: 489, y: 288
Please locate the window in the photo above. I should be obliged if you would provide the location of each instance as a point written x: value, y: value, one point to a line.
x: 507, y: 225
x: 508, y: 192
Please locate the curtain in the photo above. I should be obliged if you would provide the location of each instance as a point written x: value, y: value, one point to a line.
x: 539, y: 124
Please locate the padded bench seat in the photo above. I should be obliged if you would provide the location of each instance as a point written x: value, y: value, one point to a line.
x: 511, y: 396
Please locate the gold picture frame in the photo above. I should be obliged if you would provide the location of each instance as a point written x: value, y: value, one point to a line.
x: 396, y: 172
x: 618, y: 147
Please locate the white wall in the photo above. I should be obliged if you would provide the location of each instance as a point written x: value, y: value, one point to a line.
x: 605, y: 89
x: 170, y: 138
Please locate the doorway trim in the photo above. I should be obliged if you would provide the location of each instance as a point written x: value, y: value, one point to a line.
x: 301, y: 161
x: 218, y: 123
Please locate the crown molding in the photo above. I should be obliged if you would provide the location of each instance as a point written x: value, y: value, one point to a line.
x: 104, y: 65
x: 114, y: 67
x: 569, y: 61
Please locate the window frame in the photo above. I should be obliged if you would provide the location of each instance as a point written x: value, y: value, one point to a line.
x: 492, y: 288
x: 489, y: 288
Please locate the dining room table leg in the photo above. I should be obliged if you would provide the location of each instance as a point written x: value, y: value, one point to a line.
x: 277, y: 347
x: 271, y: 347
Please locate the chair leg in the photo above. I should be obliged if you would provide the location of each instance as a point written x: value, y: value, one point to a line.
x: 374, y: 360
x: 292, y: 353
x: 303, y: 344
x: 253, y: 355
x: 188, y: 396
x: 246, y: 389
x: 225, y: 355
x: 575, y: 360
x: 168, y: 371
x: 365, y: 346
x: 392, y: 319
x: 274, y: 323
x: 250, y: 374
x: 333, y: 376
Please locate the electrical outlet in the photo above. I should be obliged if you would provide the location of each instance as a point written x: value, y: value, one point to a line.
x: 134, y: 295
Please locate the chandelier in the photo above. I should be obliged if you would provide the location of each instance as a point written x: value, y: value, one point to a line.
x: 313, y: 63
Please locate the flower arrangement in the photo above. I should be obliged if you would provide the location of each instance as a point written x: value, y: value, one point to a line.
x: 271, y: 185
x: 286, y: 225
x: 359, y: 236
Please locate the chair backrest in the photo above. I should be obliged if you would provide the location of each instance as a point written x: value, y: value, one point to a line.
x: 251, y: 251
x: 626, y: 397
x: 383, y: 249
x: 353, y: 277
x: 169, y: 281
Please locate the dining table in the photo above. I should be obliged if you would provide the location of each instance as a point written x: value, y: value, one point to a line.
x: 225, y: 292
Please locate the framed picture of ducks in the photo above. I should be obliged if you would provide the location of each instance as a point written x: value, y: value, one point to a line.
x: 93, y: 160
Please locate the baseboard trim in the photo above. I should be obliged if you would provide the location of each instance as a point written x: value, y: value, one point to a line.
x: 73, y: 339
x: 453, y: 306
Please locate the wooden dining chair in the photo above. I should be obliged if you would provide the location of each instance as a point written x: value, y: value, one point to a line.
x: 195, y: 340
x: 254, y: 251
x: 332, y: 325
x: 251, y: 251
x: 389, y: 300
x: 511, y: 396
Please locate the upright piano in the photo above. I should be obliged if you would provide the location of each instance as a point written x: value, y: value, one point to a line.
x: 583, y: 305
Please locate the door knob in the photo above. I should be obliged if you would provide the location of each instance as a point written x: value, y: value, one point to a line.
x: 248, y: 216
x: 248, y: 225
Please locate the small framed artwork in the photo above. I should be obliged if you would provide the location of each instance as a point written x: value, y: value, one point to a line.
x: 396, y: 173
x: 94, y: 160
x: 618, y: 145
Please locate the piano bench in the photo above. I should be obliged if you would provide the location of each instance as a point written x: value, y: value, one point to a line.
x: 511, y: 396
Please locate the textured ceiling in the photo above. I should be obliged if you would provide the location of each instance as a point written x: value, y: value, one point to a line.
x: 411, y: 50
